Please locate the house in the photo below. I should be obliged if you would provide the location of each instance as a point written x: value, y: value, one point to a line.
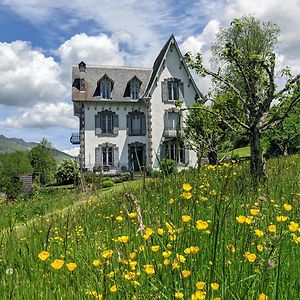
x: 127, y: 116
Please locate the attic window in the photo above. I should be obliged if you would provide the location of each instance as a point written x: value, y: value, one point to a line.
x: 105, y: 87
x: 133, y: 88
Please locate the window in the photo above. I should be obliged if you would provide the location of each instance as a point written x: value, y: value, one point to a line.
x: 106, y: 123
x: 107, y: 156
x: 172, y: 89
x: 105, y: 88
x: 136, y: 123
x: 172, y: 120
x: 174, y: 150
x: 134, y: 89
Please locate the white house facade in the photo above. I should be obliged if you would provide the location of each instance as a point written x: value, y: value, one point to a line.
x: 127, y: 116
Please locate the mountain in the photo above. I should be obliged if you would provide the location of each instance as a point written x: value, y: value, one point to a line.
x: 14, y: 144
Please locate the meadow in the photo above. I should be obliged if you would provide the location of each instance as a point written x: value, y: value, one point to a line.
x: 192, y: 235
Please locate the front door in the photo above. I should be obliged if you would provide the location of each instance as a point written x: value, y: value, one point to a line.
x: 136, y: 157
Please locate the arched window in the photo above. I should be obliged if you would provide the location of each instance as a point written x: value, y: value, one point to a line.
x: 133, y: 88
x: 105, y: 87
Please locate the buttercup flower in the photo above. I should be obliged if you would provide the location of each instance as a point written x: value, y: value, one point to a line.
x: 272, y: 228
x: 251, y: 257
x: 293, y: 226
x: 241, y: 219
x: 107, y: 253
x: 185, y: 273
x: 57, y: 264
x: 263, y: 296
x: 149, y: 269
x: 215, y: 286
x: 96, y: 262
x: 178, y: 295
x: 43, y: 255
x: 200, y: 225
x: 187, y: 195
x: 71, y: 266
x: 186, y: 187
x: 114, y: 289
x: 200, y: 285
x: 186, y: 218
x: 287, y: 207
x: 155, y: 248
x: 259, y: 233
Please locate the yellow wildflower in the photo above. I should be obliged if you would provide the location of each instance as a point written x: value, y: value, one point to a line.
x: 166, y: 261
x: 241, y: 219
x: 113, y: 288
x: 180, y: 258
x: 254, y: 211
x: 200, y: 285
x: 132, y: 255
x: 71, y: 266
x: 107, y: 253
x: 215, y: 286
x: 178, y: 295
x: 248, y: 220
x: 96, y: 262
x: 186, y: 218
x: 171, y: 201
x: 132, y: 215
x: 160, y: 231
x: 185, y: 273
x: 149, y: 269
x: 186, y: 187
x: 281, y: 218
x: 293, y: 226
x: 259, y: 233
x: 287, y: 207
x: 119, y: 218
x: 263, y: 296
x: 43, y: 255
x: 166, y: 254
x: 187, y: 195
x: 192, y: 250
x: 57, y: 264
x: 175, y: 265
x: 133, y: 264
x: 199, y: 295
x: 200, y: 225
x: 123, y: 239
x: 155, y: 248
x: 272, y: 228
x: 251, y: 257
x: 260, y: 247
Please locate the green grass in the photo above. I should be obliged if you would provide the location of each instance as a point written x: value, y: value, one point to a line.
x: 241, y: 152
x: 82, y: 233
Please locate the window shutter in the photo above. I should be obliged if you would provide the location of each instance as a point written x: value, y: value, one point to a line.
x: 129, y: 129
x: 98, y: 158
x: 162, y: 151
x: 181, y: 90
x: 116, y: 124
x: 116, y: 156
x: 143, y: 124
x: 166, y: 120
x: 164, y: 91
x: 98, y: 129
x: 186, y: 155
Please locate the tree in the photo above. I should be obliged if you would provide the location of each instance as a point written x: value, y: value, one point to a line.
x: 42, y: 161
x: 204, y: 133
x: 11, y: 166
x: 67, y: 171
x: 246, y: 58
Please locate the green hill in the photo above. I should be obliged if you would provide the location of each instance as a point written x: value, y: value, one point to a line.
x: 15, y: 144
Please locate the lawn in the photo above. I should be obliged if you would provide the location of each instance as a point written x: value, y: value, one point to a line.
x: 192, y: 235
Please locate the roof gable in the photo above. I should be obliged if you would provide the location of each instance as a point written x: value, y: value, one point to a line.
x: 158, y: 64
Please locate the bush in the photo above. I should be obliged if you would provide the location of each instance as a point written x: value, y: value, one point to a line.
x: 107, y: 183
x: 168, y: 167
x: 67, y: 171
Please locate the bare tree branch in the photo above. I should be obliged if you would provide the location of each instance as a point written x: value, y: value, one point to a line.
x: 287, y: 86
x: 276, y: 119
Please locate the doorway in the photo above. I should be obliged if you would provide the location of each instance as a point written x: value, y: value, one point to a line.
x: 136, y: 156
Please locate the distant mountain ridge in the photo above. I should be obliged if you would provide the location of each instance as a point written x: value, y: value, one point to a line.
x: 16, y: 144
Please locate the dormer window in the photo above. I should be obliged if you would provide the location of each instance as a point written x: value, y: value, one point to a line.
x: 172, y: 90
x: 133, y: 88
x: 105, y: 87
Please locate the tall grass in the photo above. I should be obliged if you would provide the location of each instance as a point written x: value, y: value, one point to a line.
x: 158, y: 249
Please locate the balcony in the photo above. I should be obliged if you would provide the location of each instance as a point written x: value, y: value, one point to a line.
x: 171, y: 132
x: 75, y: 138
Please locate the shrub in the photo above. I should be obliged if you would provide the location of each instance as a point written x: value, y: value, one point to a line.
x: 67, y: 171
x: 168, y: 167
x: 107, y: 183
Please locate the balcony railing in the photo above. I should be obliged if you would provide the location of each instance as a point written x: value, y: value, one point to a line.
x: 75, y: 138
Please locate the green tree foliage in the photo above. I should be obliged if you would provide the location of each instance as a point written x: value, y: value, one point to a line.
x: 246, y: 67
x: 67, y: 171
x: 43, y: 162
x: 205, y: 133
x: 11, y: 166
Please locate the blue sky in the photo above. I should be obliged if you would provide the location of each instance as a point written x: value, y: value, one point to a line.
x: 41, y: 39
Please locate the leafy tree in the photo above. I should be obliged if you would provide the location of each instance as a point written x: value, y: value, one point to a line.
x: 246, y: 58
x: 205, y: 133
x: 11, y: 166
x: 42, y: 161
x: 67, y: 171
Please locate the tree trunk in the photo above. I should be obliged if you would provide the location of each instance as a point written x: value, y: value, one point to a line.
x: 256, y: 157
x: 212, y: 157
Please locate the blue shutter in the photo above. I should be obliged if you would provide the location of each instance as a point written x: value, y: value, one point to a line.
x: 181, y: 90
x: 115, y: 124
x: 98, y: 129
x: 164, y: 91
x: 116, y: 156
x: 129, y: 128
x: 143, y: 124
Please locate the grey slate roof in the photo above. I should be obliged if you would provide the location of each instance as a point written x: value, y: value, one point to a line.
x: 120, y: 76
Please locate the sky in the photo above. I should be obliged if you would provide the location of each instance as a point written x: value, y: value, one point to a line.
x: 41, y: 39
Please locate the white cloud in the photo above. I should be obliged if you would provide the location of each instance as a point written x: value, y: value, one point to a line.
x: 28, y: 76
x: 72, y: 151
x: 43, y: 116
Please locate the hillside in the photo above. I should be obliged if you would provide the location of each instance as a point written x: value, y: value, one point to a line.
x: 15, y: 144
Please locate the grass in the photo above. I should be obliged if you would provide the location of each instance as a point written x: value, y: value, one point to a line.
x: 150, y: 241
